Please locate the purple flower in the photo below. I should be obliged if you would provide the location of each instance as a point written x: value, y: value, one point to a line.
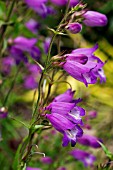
x: 61, y: 168
x: 85, y: 157
x: 60, y: 107
x: 70, y: 130
x: 38, y: 6
x: 31, y: 168
x: 30, y: 82
x: 3, y: 113
x: 46, y: 160
x: 59, y: 2
x: 7, y: 63
x: 64, y: 2
x: 94, y: 19
x: 92, y: 114
x: 74, y: 27
x: 17, y: 55
x: 33, y: 26
x: 65, y: 97
x: 47, y: 44
x: 84, y: 66
x: 23, y: 44
x: 34, y: 69
x: 65, y: 116
x: 89, y: 140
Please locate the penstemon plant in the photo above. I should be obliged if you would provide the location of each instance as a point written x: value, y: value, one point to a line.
x: 62, y: 112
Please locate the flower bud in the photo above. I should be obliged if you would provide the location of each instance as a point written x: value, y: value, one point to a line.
x: 94, y: 19
x: 74, y: 27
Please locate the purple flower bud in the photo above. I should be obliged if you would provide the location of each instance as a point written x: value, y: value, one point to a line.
x: 32, y: 25
x: 92, y: 114
x: 94, y: 19
x: 3, y: 113
x: 89, y: 140
x: 46, y: 160
x: 74, y: 27
x: 85, y: 157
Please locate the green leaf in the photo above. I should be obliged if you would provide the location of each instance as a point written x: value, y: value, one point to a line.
x: 106, y: 151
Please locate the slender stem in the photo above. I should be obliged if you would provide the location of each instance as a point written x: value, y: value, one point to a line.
x: 12, y: 86
x: 4, y: 27
x: 54, y: 36
x: 39, y: 87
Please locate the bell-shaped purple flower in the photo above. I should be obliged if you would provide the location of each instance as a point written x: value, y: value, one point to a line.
x: 32, y: 25
x: 83, y: 156
x: 84, y: 66
x: 66, y: 127
x: 89, y: 140
x: 74, y: 28
x: 94, y: 19
x: 3, y: 113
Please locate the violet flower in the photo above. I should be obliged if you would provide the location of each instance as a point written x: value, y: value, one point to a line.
x: 92, y: 114
x: 64, y: 2
x: 7, y: 63
x: 65, y: 97
x: 46, y: 160
x: 32, y: 25
x: 38, y: 6
x: 74, y: 27
x: 83, y: 156
x: 23, y: 44
x: 94, y: 19
x: 70, y: 130
x: 89, y: 140
x: 84, y: 66
x: 61, y: 168
x: 47, y: 44
x: 17, y: 55
x: 31, y: 168
x: 65, y: 117
x: 3, y: 113
x: 30, y: 81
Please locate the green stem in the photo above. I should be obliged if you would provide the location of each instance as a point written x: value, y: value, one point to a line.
x: 4, y: 27
x: 39, y: 93
x: 11, y: 88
